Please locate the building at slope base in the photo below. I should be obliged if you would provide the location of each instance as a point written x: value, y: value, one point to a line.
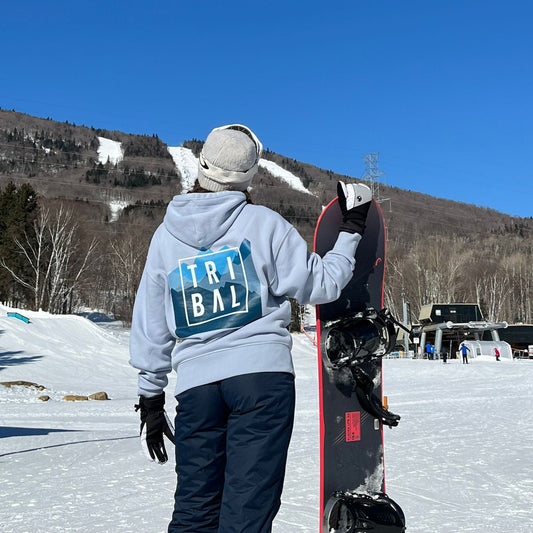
x: 447, y: 326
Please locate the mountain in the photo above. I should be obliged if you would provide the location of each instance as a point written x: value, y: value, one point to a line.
x: 66, y: 161
x: 118, y: 184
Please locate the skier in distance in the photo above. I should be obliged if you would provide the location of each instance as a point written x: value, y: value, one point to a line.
x: 464, y: 349
x: 212, y: 305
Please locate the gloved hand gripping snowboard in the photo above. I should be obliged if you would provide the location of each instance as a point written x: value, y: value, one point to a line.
x: 154, y: 424
x: 354, y: 201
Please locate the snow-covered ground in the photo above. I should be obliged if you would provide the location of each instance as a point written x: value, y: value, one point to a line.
x: 109, y: 150
x: 460, y: 460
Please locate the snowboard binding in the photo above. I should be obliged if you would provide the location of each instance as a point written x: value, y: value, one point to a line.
x: 357, y: 339
x: 361, y: 337
x: 349, y: 512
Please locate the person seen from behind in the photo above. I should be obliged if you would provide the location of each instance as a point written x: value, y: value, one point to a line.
x: 464, y: 349
x: 213, y: 305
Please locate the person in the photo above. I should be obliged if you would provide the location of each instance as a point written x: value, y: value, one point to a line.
x: 497, y: 354
x: 213, y: 305
x: 429, y: 350
x: 464, y: 349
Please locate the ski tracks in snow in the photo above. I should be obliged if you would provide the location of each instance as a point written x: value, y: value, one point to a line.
x: 459, y: 459
x: 458, y: 462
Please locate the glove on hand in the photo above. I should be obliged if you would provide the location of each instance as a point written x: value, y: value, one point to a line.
x: 154, y: 423
x: 354, y: 201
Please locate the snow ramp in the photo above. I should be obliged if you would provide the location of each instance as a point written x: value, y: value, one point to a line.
x: 59, y: 351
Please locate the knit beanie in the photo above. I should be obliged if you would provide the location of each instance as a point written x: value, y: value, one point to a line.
x: 229, y: 159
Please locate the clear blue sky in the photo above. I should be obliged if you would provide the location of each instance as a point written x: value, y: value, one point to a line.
x: 442, y: 89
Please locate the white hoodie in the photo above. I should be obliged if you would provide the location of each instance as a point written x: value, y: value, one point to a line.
x: 216, y: 279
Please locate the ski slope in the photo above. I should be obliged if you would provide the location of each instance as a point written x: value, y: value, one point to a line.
x: 187, y: 165
x: 460, y: 460
x: 109, y: 150
x: 294, y: 182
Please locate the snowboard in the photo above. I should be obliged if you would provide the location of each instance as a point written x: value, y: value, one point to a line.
x: 353, y: 333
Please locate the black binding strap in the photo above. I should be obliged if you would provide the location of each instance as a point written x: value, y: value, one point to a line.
x: 356, y: 339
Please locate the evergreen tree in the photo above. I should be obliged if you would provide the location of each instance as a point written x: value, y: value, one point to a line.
x: 17, y: 213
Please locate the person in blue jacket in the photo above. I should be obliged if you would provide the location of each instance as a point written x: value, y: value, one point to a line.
x: 464, y: 349
x: 213, y: 305
x: 430, y: 350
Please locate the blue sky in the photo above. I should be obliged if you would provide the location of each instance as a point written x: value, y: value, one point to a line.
x: 442, y: 89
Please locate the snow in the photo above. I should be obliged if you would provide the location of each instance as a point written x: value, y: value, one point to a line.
x: 460, y: 460
x: 186, y: 163
x: 116, y: 207
x: 109, y: 151
x: 288, y: 177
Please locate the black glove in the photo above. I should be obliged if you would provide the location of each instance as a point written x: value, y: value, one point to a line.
x: 154, y: 424
x: 354, y: 201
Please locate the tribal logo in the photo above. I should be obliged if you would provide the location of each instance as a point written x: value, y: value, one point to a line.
x: 215, y: 290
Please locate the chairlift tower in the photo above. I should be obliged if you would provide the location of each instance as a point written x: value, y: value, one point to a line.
x: 373, y: 174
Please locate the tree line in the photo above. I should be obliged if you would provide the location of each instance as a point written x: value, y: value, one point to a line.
x: 123, y: 175
x: 50, y: 259
x: 494, y: 271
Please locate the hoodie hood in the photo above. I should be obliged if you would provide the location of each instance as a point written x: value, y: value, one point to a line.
x: 200, y: 219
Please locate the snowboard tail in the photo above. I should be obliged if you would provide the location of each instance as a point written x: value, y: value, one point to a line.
x: 354, y: 333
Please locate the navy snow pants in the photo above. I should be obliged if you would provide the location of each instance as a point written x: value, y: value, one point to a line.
x: 232, y: 438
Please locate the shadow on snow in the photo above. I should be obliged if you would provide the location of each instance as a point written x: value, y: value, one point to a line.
x: 15, y: 358
x: 46, y: 431
x: 27, y: 432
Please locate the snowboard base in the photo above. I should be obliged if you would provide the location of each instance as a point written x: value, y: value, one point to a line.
x: 350, y: 512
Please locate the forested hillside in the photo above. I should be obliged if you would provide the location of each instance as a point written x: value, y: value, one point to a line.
x: 74, y: 230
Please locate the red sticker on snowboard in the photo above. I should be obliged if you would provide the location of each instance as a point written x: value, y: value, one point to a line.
x: 353, y: 426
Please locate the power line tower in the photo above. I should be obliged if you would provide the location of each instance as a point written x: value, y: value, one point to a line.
x: 373, y: 174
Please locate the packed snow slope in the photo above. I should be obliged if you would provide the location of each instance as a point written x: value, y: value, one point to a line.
x: 109, y: 151
x: 460, y: 460
x: 187, y: 165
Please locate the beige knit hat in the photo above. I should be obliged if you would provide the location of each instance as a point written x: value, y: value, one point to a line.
x: 229, y: 159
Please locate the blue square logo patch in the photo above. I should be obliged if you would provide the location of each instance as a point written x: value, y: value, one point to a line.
x: 215, y: 290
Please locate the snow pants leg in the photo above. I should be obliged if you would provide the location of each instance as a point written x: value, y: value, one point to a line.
x: 232, y: 439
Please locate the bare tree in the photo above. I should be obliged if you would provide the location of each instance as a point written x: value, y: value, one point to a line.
x: 68, y: 261
x: 518, y: 267
x: 128, y: 254
x: 55, y: 259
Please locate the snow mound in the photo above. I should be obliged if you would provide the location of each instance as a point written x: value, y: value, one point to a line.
x: 186, y: 163
x: 62, y: 352
x: 109, y: 151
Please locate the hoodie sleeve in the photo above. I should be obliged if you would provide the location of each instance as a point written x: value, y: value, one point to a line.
x: 151, y: 342
x: 306, y: 276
